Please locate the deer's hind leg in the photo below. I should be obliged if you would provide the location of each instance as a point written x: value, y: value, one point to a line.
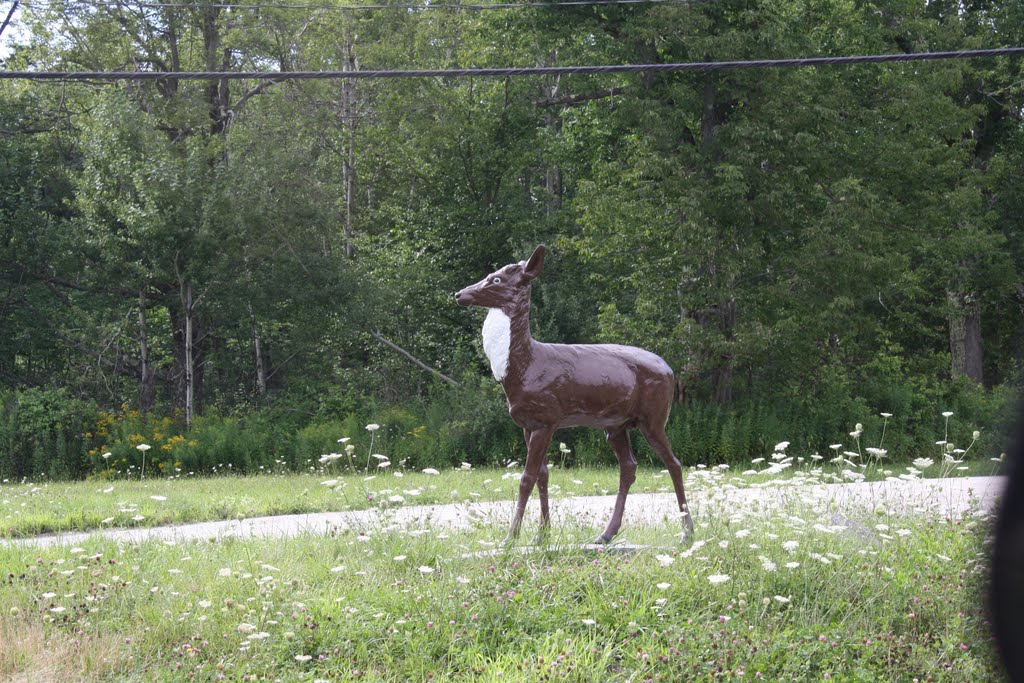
x: 659, y: 442
x: 619, y: 441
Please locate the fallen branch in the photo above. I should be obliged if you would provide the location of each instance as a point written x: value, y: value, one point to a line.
x: 10, y: 15
x: 379, y: 337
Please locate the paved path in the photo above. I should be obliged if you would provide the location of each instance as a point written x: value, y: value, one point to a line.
x: 947, y: 497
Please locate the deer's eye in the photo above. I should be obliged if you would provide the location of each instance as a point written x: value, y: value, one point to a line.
x: 496, y: 281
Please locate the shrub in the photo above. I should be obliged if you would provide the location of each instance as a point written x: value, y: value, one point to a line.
x: 49, y: 433
x: 316, y: 439
x: 44, y: 433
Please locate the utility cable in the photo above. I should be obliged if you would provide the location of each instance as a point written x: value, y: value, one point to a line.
x: 500, y: 72
x: 357, y: 8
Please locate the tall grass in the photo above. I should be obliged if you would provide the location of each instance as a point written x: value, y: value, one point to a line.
x: 783, y: 597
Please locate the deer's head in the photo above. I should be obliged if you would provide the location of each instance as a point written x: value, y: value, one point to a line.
x: 506, y: 287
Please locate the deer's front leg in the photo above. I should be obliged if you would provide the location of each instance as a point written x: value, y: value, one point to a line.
x: 537, y: 442
x: 542, y: 493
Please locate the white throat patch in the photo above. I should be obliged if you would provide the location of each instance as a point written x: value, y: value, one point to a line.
x: 497, y: 338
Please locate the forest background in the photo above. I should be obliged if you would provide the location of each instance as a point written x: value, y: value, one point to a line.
x: 223, y: 269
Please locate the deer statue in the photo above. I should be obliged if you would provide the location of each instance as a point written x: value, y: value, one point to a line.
x: 551, y: 386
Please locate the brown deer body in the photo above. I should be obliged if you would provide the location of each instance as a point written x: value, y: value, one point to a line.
x: 551, y: 386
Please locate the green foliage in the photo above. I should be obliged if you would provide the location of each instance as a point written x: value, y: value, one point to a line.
x: 44, y: 434
x: 801, y: 245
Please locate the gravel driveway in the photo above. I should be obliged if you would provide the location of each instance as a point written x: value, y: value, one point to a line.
x: 947, y: 497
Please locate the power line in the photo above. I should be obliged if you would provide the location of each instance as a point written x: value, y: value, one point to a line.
x: 357, y: 8
x: 500, y: 72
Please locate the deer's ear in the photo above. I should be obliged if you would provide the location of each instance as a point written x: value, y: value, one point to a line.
x: 536, y: 263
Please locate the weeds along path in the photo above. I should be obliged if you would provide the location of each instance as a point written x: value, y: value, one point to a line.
x: 833, y: 503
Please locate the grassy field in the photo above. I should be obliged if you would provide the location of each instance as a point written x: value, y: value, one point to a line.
x: 31, y: 508
x: 779, y: 598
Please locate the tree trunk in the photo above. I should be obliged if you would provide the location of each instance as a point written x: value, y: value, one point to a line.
x: 218, y: 93
x: 965, y: 336
x: 348, y: 114
x: 147, y: 374
x: 261, y: 367
x: 190, y: 363
x: 189, y: 351
x: 725, y: 368
x: 553, y: 122
x: 707, y: 118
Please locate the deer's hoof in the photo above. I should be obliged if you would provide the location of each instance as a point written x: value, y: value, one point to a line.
x: 687, y: 536
x: 603, y: 539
